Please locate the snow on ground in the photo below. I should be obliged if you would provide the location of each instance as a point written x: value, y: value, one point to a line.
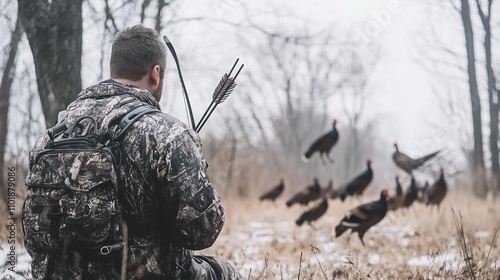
x: 255, y: 240
x: 399, y: 234
x: 496, y: 265
x: 259, y: 239
x: 14, y: 263
x: 450, y: 261
x: 482, y: 234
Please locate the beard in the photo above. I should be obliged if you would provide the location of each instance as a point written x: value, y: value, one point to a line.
x: 159, y: 91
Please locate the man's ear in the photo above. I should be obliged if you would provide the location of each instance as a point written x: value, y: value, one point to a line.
x: 154, y: 76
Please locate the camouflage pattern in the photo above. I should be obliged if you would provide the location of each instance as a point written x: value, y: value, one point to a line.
x: 169, y: 203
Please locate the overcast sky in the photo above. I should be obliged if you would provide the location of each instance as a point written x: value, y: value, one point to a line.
x: 402, y: 93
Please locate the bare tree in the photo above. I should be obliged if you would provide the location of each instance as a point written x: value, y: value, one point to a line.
x: 478, y: 159
x: 354, y: 95
x: 493, y: 92
x: 444, y: 61
x: 5, y: 87
x: 301, y: 76
x: 54, y: 30
x: 469, y: 137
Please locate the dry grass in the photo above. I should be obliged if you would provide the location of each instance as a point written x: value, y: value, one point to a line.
x: 420, y: 243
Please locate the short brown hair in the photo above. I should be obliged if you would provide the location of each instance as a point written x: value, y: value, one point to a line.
x: 135, y: 51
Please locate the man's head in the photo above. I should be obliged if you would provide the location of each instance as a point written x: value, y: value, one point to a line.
x: 138, y: 55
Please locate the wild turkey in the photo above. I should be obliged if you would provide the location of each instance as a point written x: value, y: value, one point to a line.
x: 275, y: 192
x: 336, y: 193
x: 314, y: 213
x: 411, y: 194
x: 363, y: 217
x: 408, y: 164
x: 437, y: 191
x: 306, y: 195
x: 323, y: 144
x: 328, y: 189
x: 358, y: 185
x: 396, y: 200
x: 422, y: 192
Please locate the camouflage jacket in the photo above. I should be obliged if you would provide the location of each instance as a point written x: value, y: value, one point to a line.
x: 167, y: 190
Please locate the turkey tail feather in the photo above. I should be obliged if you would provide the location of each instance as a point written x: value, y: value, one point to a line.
x: 309, y: 153
x: 343, y: 196
x: 427, y: 157
x: 305, y: 158
x: 339, y: 230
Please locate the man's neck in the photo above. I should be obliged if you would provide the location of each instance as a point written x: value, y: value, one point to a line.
x: 140, y: 83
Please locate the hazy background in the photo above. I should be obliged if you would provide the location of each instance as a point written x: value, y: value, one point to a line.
x: 389, y: 71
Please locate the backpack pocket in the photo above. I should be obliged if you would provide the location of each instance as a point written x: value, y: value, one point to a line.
x: 72, y: 197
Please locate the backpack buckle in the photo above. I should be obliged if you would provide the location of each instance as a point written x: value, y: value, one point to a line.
x: 108, y: 249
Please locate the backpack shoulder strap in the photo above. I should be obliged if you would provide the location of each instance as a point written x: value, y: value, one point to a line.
x: 128, y: 119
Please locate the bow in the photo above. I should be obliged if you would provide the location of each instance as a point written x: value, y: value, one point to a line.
x: 222, y: 91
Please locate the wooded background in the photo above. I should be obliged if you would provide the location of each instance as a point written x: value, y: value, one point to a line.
x: 297, y: 78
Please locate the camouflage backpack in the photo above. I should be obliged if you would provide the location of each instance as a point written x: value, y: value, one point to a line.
x: 73, y: 200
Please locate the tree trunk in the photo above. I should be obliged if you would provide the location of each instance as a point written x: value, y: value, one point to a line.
x: 493, y: 106
x: 7, y: 78
x: 54, y: 30
x: 478, y: 159
x: 492, y: 95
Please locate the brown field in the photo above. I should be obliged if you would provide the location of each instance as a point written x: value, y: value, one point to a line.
x: 262, y: 240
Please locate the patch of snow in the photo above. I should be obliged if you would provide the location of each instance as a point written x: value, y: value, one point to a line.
x: 3, y: 259
x: 374, y: 259
x: 21, y: 266
x: 256, y: 225
x: 405, y: 242
x: 452, y: 242
x: 420, y: 261
x: 263, y: 239
x: 263, y: 232
x: 284, y: 239
x: 234, y: 236
x: 453, y: 265
x: 253, y: 267
x: 449, y: 260
x: 397, y: 231
x: 482, y: 234
x: 495, y: 265
x: 429, y: 260
x: 251, y: 250
x: 399, y: 234
x: 329, y: 246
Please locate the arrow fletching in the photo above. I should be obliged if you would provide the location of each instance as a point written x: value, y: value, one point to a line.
x: 224, y: 89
